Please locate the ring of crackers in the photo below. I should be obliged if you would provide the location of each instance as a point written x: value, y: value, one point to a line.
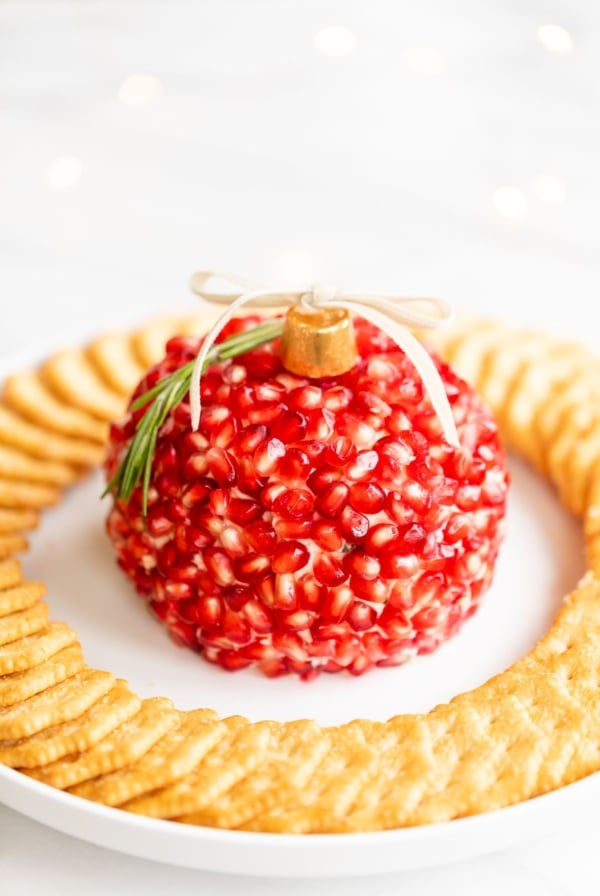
x: 531, y: 729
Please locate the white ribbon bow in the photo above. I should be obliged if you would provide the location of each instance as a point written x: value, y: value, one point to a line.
x: 392, y: 314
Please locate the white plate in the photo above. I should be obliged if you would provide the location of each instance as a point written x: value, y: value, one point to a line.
x: 541, y: 560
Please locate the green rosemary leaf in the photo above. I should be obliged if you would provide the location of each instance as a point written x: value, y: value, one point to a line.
x: 165, y: 396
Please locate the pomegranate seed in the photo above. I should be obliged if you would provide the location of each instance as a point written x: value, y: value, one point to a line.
x: 337, y: 604
x: 232, y: 660
x: 195, y: 494
x: 221, y: 466
x: 249, y: 438
x: 358, y: 563
x: 327, y: 534
x: 258, y: 616
x: 398, y: 566
x: 322, y: 477
x: 374, y: 590
x: 241, y: 512
x: 340, y: 452
x: 292, y: 529
x: 233, y: 542
x: 249, y: 567
x: 266, y: 456
x: 354, y: 525
x: 289, y: 556
x: 294, y: 467
x: 306, y: 398
x: 297, y: 620
x: 332, y: 500
x: 320, y: 424
x: 380, y: 537
x: 361, y: 434
x: 328, y: 570
x: 367, y: 497
x: 285, y: 597
x: 362, y: 617
x: 158, y: 524
x: 294, y: 504
x: 219, y: 566
x: 261, y: 537
x: 289, y: 427
x: 266, y: 412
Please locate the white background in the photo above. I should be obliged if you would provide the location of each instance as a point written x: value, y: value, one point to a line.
x: 451, y: 149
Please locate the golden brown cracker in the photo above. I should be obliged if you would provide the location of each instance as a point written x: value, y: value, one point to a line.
x: 21, y: 685
x: 122, y: 746
x: 28, y: 395
x: 23, y: 623
x: 170, y: 758
x: 12, y: 544
x: 148, y: 343
x: 502, y: 363
x: 299, y: 748
x: 60, y: 703
x: 16, y: 432
x: 534, y: 385
x: 10, y: 576
x: 17, y: 520
x: 212, y: 776
x: 469, y: 352
x: 19, y: 595
x: 113, y: 358
x: 16, y: 464
x: 72, y: 376
x: 14, y: 494
x: 34, y: 649
x: 576, y: 476
x: 73, y: 736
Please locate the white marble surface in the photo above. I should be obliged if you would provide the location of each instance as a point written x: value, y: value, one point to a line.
x: 257, y: 153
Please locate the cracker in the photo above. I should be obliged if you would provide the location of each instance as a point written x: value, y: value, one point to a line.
x: 27, y: 394
x: 575, y: 482
x: 122, y: 746
x: 18, y: 595
x: 169, y: 759
x: 148, y: 344
x: 21, y: 685
x: 34, y: 649
x: 534, y: 385
x: 71, y: 375
x: 60, y: 703
x: 17, y: 520
x: 15, y: 464
x: 468, y: 353
x: 502, y: 364
x: 12, y: 544
x: 10, y: 575
x: 74, y: 736
x: 23, y: 623
x: 242, y: 751
x: 299, y: 748
x: 14, y: 494
x: 16, y: 432
x: 113, y: 358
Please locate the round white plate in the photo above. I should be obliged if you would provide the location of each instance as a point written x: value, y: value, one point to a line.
x: 541, y: 560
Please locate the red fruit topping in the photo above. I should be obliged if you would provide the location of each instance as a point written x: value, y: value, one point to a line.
x: 313, y: 525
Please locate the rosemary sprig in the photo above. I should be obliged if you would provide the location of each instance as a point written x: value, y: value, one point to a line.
x: 136, y: 466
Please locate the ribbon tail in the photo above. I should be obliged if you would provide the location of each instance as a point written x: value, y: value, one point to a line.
x: 419, y: 356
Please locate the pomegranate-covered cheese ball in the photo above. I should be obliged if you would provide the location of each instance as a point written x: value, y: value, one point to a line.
x: 312, y: 524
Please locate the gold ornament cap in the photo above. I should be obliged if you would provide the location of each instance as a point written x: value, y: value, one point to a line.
x: 318, y: 342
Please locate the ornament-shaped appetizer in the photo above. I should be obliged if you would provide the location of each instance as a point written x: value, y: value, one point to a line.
x: 308, y: 493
